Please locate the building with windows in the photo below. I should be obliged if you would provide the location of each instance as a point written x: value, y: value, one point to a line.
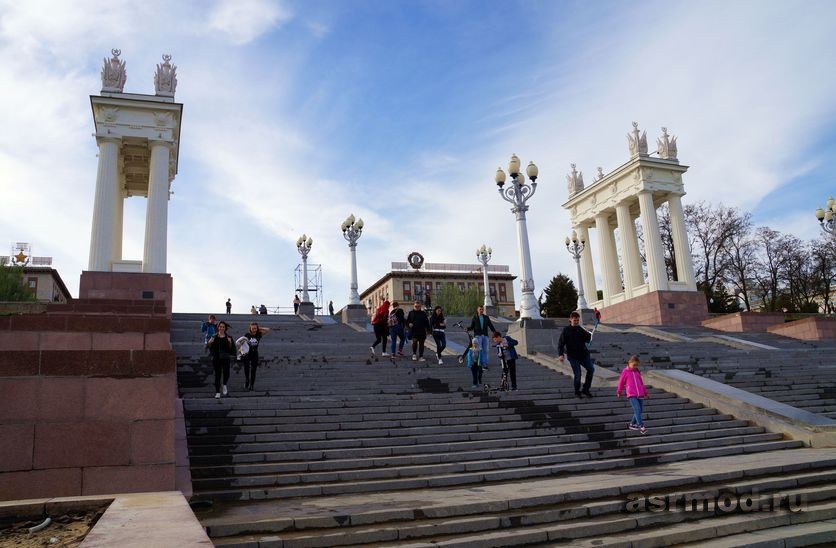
x: 405, y: 283
x: 46, y: 284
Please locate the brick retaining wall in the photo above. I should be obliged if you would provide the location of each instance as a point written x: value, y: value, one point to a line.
x: 87, y: 401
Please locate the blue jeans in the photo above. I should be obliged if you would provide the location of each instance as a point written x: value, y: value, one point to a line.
x: 483, y: 344
x: 396, y: 332
x: 440, y: 339
x: 576, y: 369
x: 638, y: 407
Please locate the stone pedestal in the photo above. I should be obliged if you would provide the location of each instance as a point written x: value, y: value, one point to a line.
x: 132, y: 286
x: 659, y: 308
x: 540, y: 335
x: 355, y: 313
x: 491, y: 311
x: 307, y: 309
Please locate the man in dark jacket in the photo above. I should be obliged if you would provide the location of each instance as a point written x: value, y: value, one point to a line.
x: 418, y: 324
x: 572, y: 345
x: 481, y: 325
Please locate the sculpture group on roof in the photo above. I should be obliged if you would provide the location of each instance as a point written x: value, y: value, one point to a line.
x: 114, y: 75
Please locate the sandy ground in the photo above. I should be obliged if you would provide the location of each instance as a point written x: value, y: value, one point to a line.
x: 64, y: 531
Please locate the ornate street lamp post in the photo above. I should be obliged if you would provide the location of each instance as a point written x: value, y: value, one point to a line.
x: 303, y: 244
x: 575, y: 248
x: 483, y: 254
x: 827, y: 217
x: 517, y: 195
x: 352, y: 230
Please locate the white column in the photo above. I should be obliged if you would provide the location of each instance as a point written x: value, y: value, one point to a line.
x: 587, y: 270
x: 657, y: 277
x: 606, y: 254
x: 101, y: 237
x: 156, y: 213
x: 684, y: 262
x: 629, y: 249
x: 353, y: 297
x: 118, y: 223
x: 613, y: 273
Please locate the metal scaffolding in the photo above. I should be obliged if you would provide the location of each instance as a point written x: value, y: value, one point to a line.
x: 314, y: 284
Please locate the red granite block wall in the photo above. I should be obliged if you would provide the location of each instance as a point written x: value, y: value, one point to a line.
x: 659, y: 308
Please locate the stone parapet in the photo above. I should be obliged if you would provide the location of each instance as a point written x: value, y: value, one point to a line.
x: 127, y: 286
x: 812, y: 429
x: 817, y: 328
x: 739, y: 322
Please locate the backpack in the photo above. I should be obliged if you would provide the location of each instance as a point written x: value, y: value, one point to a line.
x: 393, y: 319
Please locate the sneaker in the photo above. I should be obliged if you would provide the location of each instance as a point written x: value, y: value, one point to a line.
x: 414, y: 357
x: 474, y: 386
x: 421, y: 360
x: 225, y: 391
x: 461, y: 360
x: 587, y: 393
x: 514, y: 389
x: 484, y: 368
x: 643, y: 430
x: 385, y: 354
x: 400, y: 353
x: 440, y: 362
x: 217, y: 395
x: 632, y: 426
x: 371, y: 350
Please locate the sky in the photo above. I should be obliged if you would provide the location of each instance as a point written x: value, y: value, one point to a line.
x: 298, y: 113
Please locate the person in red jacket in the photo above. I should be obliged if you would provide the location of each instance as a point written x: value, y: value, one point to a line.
x: 380, y: 323
x: 631, y: 383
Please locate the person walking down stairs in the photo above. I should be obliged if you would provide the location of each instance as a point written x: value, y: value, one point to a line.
x: 250, y: 359
x: 380, y: 324
x: 418, y: 324
x: 438, y: 324
x: 572, y: 345
x: 630, y: 383
x: 222, y: 348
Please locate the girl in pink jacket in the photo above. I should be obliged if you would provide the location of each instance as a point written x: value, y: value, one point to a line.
x: 632, y: 385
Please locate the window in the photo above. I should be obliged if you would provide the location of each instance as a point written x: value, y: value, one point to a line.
x: 503, y: 296
x: 471, y: 285
x: 461, y: 286
x: 407, y: 291
x: 481, y: 288
x: 32, y: 283
x: 492, y: 288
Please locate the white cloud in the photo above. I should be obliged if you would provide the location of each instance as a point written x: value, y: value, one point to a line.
x: 243, y: 21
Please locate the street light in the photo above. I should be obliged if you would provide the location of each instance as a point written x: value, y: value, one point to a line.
x: 575, y: 248
x: 303, y: 244
x: 483, y: 254
x: 352, y: 230
x: 827, y: 217
x: 517, y: 195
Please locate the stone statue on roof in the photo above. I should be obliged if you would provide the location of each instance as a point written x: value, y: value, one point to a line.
x: 113, y: 73
x: 165, y: 79
x: 666, y: 145
x: 638, y: 143
x: 574, y: 181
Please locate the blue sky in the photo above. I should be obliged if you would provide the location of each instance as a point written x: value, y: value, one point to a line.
x: 299, y: 113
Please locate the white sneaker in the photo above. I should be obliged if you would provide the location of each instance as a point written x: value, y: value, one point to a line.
x: 414, y: 357
x: 217, y: 395
x: 385, y: 354
x: 421, y: 360
x: 371, y: 349
x: 225, y: 391
x: 440, y: 362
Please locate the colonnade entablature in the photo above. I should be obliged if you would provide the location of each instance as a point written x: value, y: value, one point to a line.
x: 634, y: 190
x: 138, y: 137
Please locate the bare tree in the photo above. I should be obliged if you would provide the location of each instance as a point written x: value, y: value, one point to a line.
x: 710, y: 229
x: 740, y: 256
x: 798, y: 274
x: 823, y: 255
x: 768, y: 267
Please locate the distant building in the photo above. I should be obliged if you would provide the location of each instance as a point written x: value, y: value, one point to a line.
x: 406, y: 284
x: 46, y: 284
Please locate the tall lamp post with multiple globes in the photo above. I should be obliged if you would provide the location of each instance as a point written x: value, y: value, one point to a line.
x: 575, y: 248
x: 827, y: 218
x: 352, y: 230
x: 483, y: 254
x: 517, y: 195
x: 303, y: 245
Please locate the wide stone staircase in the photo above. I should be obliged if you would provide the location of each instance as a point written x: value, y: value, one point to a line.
x: 337, y: 448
